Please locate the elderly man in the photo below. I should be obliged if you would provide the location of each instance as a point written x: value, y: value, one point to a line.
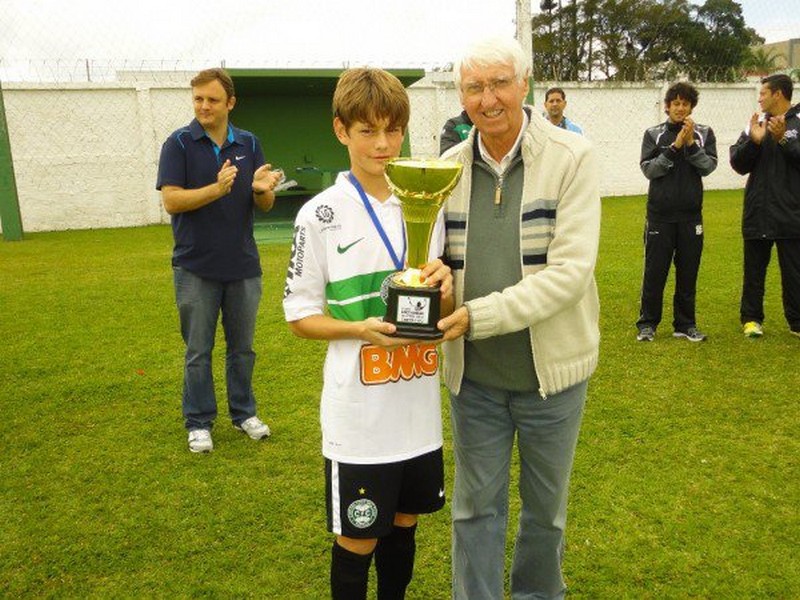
x: 522, y: 234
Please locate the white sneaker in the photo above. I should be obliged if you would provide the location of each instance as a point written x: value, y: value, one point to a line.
x: 254, y: 427
x: 200, y: 440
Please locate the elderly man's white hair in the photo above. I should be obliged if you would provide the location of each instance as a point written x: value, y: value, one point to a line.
x: 494, y: 51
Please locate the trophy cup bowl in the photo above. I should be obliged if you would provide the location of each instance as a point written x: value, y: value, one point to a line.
x: 422, y: 186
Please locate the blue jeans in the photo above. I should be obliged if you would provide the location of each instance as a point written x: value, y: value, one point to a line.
x: 200, y: 302
x: 485, y: 421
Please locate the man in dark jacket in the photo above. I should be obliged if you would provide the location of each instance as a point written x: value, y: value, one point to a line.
x: 676, y: 155
x: 455, y: 131
x: 769, y: 151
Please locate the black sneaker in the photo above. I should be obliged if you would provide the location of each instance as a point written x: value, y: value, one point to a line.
x: 693, y: 334
x: 646, y: 334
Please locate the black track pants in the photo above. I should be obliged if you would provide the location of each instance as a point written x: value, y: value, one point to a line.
x: 665, y: 244
x: 757, y: 254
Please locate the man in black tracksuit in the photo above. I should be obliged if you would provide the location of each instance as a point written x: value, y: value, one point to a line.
x: 769, y: 150
x: 455, y: 131
x: 676, y: 155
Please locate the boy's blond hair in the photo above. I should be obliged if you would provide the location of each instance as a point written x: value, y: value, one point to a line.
x: 370, y: 95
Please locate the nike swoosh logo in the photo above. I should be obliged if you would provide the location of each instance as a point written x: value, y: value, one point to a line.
x: 239, y: 157
x: 342, y: 249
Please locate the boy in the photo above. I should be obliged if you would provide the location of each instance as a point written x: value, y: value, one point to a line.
x: 676, y: 155
x: 380, y: 408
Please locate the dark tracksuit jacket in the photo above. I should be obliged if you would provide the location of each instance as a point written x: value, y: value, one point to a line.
x: 771, y: 214
x: 772, y: 193
x: 674, y: 228
x: 455, y: 131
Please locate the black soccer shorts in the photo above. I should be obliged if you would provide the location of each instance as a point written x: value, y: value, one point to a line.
x: 363, y: 499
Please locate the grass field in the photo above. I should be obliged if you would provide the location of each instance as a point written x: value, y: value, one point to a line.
x: 686, y: 483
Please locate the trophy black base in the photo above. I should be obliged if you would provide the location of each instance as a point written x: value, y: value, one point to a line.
x: 415, y: 311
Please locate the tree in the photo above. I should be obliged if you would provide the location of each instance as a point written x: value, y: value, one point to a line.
x: 630, y: 40
x: 555, y: 41
x: 719, y: 41
x: 637, y: 38
x: 762, y: 61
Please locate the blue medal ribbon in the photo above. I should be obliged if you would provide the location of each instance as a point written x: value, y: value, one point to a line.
x: 399, y: 263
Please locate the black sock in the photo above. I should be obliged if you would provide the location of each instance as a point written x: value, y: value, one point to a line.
x: 349, y: 574
x: 394, y: 561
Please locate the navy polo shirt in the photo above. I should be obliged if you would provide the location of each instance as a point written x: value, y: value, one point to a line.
x: 215, y: 241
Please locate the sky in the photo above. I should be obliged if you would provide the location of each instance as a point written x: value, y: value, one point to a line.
x: 280, y: 33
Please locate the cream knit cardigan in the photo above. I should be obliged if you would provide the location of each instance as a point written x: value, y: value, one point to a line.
x: 557, y: 301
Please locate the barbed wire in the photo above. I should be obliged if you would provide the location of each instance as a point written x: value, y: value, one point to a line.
x: 62, y: 71
x: 98, y: 122
x: 667, y: 73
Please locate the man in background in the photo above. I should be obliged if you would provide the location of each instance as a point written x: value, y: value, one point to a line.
x: 211, y: 175
x: 769, y: 152
x: 676, y: 155
x: 455, y: 130
x: 555, y: 101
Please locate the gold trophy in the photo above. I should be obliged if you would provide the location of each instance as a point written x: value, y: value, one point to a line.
x: 422, y: 186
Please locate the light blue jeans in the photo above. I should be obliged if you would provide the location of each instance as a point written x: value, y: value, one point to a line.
x: 485, y: 421
x: 200, y: 302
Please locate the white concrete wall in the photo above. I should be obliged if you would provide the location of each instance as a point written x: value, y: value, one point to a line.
x: 613, y: 117
x: 86, y: 155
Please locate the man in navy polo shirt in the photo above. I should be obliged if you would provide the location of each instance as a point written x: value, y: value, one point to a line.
x: 211, y: 175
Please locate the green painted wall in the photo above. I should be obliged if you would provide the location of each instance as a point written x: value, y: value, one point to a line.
x: 290, y: 112
x: 9, y: 200
x: 295, y: 132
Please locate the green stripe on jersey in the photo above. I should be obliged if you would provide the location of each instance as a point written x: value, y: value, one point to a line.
x: 358, y: 297
x: 358, y: 311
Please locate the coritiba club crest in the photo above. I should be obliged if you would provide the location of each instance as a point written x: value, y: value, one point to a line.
x: 362, y: 513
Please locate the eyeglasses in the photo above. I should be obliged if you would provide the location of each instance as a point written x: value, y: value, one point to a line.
x: 477, y: 88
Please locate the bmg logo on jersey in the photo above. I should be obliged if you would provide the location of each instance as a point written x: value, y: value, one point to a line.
x: 362, y: 513
x: 379, y: 366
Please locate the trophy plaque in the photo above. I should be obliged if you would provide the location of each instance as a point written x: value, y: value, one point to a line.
x: 422, y: 186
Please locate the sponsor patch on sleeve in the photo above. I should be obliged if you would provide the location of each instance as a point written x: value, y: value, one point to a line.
x: 295, y: 270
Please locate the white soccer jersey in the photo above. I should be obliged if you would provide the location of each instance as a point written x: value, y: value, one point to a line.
x: 376, y: 407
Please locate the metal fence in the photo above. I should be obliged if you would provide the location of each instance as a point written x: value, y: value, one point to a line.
x: 85, y: 133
